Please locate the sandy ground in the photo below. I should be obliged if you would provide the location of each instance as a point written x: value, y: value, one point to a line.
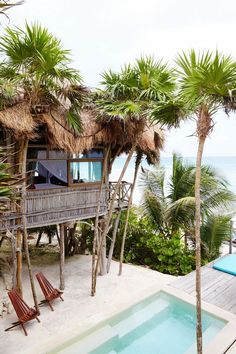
x: 79, y: 311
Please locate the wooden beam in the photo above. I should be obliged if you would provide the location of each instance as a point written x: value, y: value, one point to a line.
x: 113, y: 241
x: 62, y: 256
x: 19, y: 261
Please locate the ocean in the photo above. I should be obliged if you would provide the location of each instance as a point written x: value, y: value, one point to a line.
x: 225, y: 165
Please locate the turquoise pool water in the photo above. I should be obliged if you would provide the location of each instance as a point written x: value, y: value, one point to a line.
x: 161, y: 324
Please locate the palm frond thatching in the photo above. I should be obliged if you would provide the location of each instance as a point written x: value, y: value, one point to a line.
x: 22, y: 123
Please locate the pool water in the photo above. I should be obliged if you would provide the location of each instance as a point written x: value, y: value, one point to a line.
x: 161, y: 324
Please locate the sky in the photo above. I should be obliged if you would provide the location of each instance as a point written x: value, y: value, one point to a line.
x: 104, y: 34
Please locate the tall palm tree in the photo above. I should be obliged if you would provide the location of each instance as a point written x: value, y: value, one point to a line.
x: 206, y: 84
x: 36, y: 69
x: 128, y: 96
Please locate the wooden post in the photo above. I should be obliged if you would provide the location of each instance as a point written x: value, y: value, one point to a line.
x: 62, y: 256
x: 95, y: 236
x: 103, y: 254
x: 14, y: 259
x: 39, y: 238
x: 137, y: 164
x: 109, y: 216
x: 21, y: 160
x: 231, y: 237
x: 19, y: 261
x: 27, y: 256
x: 113, y: 241
x: 11, y: 238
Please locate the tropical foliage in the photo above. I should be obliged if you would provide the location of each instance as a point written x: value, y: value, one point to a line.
x: 214, y: 231
x: 206, y: 84
x: 170, y: 203
x: 145, y: 246
x: 130, y: 92
x: 8, y: 4
x: 36, y: 68
x: 8, y: 183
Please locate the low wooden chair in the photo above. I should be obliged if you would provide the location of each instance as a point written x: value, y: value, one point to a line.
x: 23, y: 311
x: 50, y: 293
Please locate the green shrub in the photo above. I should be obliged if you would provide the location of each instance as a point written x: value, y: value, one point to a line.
x: 145, y: 246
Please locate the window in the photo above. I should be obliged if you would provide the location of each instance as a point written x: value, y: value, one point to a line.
x: 85, y: 171
x: 51, y: 168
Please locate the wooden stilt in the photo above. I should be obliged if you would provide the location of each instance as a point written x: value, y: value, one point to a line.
x: 62, y: 256
x: 109, y: 216
x: 103, y: 254
x: 27, y: 256
x: 96, y: 223
x: 231, y: 237
x: 113, y: 241
x: 57, y: 234
x: 137, y: 164
x: 14, y: 259
x: 39, y: 238
x: 19, y: 261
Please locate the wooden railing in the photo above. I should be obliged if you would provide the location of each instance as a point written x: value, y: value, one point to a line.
x: 54, y: 206
x: 122, y: 195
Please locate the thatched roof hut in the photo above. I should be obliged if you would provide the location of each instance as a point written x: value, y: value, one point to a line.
x: 19, y: 120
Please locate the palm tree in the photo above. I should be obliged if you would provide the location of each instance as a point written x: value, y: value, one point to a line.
x: 36, y: 69
x: 170, y: 203
x: 214, y: 231
x: 8, y: 183
x: 6, y: 5
x: 206, y: 85
x: 128, y: 96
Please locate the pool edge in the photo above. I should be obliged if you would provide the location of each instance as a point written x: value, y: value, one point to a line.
x: 218, y: 345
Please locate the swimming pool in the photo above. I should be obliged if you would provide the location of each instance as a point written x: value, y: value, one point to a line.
x: 160, y: 324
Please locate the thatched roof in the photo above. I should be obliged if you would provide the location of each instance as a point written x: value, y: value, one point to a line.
x: 120, y: 135
x: 19, y: 119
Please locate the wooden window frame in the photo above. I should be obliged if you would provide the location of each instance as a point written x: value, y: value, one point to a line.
x: 71, y: 184
x: 68, y: 160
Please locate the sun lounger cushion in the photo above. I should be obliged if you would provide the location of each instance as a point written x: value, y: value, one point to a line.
x: 227, y: 264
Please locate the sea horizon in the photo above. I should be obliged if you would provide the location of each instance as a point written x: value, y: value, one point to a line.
x: 225, y: 165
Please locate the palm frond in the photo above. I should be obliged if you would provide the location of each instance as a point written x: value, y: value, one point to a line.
x: 214, y: 231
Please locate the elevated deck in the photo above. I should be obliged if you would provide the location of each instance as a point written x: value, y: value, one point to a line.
x: 218, y: 288
x: 53, y: 206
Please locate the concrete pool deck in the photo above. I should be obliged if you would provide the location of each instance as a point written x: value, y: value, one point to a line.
x: 79, y: 312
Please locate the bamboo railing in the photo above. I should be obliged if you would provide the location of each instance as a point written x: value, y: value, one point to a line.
x: 60, y: 205
x: 123, y: 194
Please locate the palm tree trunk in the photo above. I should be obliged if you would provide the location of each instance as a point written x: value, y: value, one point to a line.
x: 96, y: 224
x: 204, y: 127
x: 137, y: 164
x: 24, y: 221
x: 201, y: 143
x: 109, y: 216
x: 113, y: 241
x: 19, y: 235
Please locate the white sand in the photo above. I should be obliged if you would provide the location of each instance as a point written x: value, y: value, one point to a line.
x: 79, y: 311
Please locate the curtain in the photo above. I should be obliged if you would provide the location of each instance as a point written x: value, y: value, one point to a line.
x: 50, y: 168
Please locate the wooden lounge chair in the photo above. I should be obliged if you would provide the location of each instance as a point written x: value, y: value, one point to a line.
x: 23, y: 311
x: 50, y: 293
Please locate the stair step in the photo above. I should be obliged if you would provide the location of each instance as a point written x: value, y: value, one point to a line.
x: 92, y: 341
x: 139, y: 317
